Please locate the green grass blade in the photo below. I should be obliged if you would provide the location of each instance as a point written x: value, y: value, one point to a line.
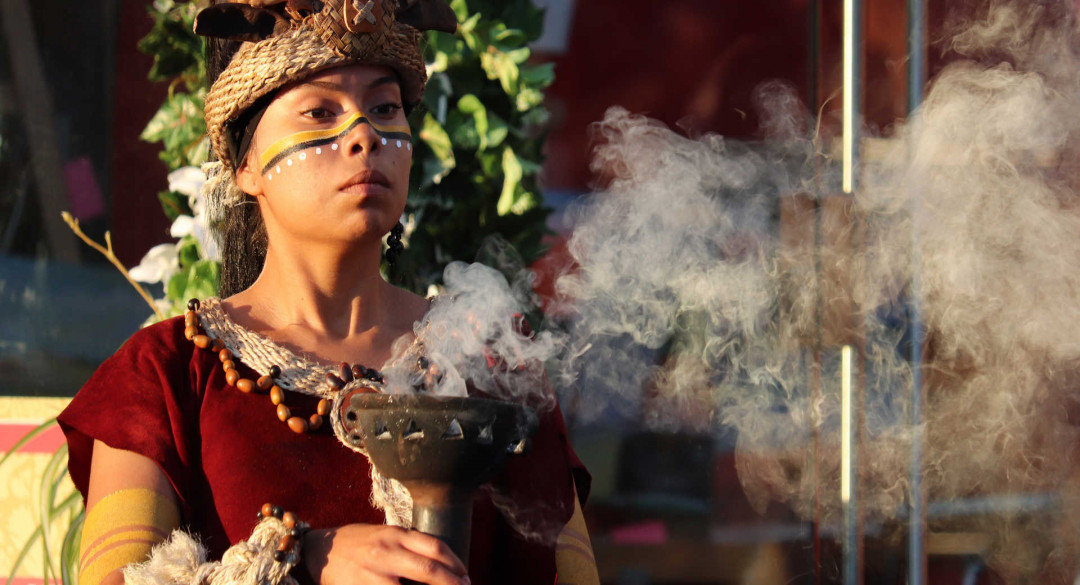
x: 69, y: 552
x: 46, y: 508
x: 22, y: 553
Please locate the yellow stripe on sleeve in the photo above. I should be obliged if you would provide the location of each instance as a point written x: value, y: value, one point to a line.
x: 121, y: 529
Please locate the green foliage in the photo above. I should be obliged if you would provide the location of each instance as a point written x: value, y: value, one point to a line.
x: 179, y: 58
x: 179, y: 126
x: 475, y: 166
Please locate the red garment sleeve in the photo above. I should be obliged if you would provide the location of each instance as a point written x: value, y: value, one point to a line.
x: 140, y: 400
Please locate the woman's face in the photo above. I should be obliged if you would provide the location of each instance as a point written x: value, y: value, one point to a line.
x: 330, y: 157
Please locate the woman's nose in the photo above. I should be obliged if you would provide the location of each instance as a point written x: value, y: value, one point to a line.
x: 361, y: 138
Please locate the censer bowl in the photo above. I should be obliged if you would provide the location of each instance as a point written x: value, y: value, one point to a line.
x: 440, y: 448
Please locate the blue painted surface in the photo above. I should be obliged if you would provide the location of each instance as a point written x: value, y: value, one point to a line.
x: 58, y: 321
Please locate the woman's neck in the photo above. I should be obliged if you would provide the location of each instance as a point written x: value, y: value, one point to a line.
x: 333, y: 294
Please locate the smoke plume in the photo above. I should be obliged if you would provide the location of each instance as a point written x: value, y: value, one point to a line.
x: 716, y: 283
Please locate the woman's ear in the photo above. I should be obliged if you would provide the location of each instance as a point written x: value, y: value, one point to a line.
x: 248, y: 180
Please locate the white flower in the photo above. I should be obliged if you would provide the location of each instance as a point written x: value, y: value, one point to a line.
x: 185, y: 225
x: 158, y: 265
x: 188, y: 181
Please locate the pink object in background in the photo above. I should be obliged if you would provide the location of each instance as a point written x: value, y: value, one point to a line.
x: 84, y: 195
x: 649, y: 532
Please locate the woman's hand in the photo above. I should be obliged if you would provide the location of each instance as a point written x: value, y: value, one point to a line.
x: 376, y: 554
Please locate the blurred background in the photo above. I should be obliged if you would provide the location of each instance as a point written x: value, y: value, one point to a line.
x: 667, y: 506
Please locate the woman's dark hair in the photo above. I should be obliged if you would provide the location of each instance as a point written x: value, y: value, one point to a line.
x: 241, y: 234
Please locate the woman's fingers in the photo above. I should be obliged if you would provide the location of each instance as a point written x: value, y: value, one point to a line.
x: 401, y: 561
x: 433, y: 548
x: 380, y: 554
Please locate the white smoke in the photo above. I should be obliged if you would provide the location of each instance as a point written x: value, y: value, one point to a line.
x: 717, y: 282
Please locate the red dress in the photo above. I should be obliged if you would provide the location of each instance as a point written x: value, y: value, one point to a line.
x: 226, y: 453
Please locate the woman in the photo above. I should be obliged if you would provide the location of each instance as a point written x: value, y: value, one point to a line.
x: 308, y: 121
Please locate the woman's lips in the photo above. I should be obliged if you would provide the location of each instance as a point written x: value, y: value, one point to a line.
x: 366, y: 181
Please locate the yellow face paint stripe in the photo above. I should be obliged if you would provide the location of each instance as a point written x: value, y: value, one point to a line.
x: 309, y: 138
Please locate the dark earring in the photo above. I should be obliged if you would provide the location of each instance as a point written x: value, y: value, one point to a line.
x: 394, y: 247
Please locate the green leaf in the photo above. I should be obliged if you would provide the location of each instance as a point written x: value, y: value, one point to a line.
x: 538, y: 76
x: 174, y: 204
x: 178, y: 125
x: 202, y: 280
x: 507, y: 39
x: 189, y: 252
x: 436, y: 138
x: 460, y: 9
x: 501, y: 66
x: 174, y: 290
x: 512, y: 174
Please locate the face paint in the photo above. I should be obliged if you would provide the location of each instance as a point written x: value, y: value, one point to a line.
x: 301, y: 141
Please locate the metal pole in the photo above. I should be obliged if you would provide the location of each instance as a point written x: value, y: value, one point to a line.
x: 916, y: 46
x: 852, y: 72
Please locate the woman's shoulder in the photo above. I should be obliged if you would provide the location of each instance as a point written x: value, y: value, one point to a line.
x: 411, y: 307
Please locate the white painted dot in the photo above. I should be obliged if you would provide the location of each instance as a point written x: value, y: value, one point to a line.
x: 408, y: 145
x: 303, y: 155
x: 318, y: 150
x: 333, y: 146
x: 279, y: 169
x: 289, y: 162
x: 399, y: 144
x: 384, y: 142
x: 270, y: 176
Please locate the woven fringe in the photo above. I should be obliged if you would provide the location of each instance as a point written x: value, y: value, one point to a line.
x: 181, y: 560
x: 219, y: 192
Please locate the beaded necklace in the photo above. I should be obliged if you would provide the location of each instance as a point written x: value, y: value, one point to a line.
x: 207, y: 326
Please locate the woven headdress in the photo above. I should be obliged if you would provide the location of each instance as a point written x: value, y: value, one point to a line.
x: 288, y: 40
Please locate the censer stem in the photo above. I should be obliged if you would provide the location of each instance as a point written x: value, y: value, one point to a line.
x: 445, y: 512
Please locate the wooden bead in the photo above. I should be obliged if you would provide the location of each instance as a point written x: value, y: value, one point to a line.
x: 201, y: 341
x: 217, y: 345
x: 191, y: 319
x: 275, y: 371
x: 286, y: 543
x: 279, y: 556
x: 323, y: 408
x: 245, y: 385
x: 224, y: 355
x: 283, y: 413
x: 345, y: 372
x: 289, y: 519
x: 315, y: 421
x: 335, y: 381
x: 193, y: 305
x: 278, y: 512
x: 190, y: 332
x: 232, y: 377
x: 277, y: 395
x: 228, y: 365
x: 267, y: 510
x: 297, y: 424
x: 264, y: 383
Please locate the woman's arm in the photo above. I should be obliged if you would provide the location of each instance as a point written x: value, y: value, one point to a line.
x: 130, y: 507
x: 574, y: 559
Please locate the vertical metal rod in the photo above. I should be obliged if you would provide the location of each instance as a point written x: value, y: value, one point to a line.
x: 848, y: 465
x: 852, y: 67
x: 852, y: 91
x: 916, y: 46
